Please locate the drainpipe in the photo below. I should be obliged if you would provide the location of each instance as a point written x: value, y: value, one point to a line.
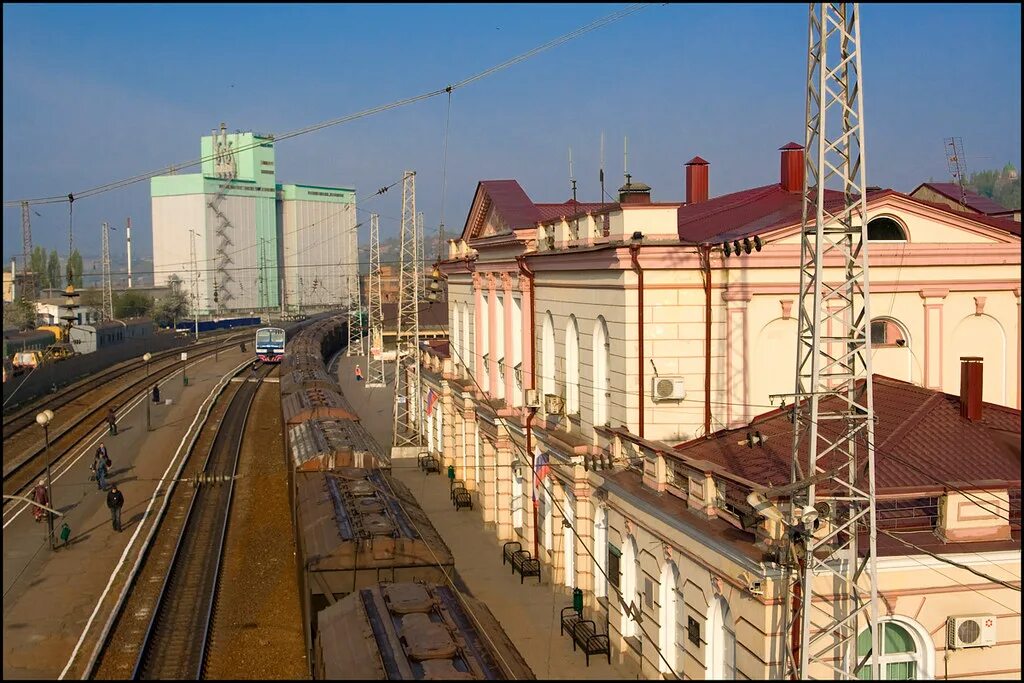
x: 705, y: 262
x: 634, y: 252
x: 530, y: 412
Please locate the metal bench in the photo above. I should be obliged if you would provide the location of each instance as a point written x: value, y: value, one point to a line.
x: 463, y: 499
x: 430, y: 464
x: 525, y: 565
x: 508, y: 549
x: 584, y: 634
x: 421, y: 460
x: 456, y: 484
x: 569, y: 618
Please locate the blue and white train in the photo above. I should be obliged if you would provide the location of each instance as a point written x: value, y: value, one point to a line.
x: 270, y: 344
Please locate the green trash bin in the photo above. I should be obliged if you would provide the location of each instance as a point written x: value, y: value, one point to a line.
x: 577, y: 600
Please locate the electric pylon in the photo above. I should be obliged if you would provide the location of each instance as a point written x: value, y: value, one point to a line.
x: 375, y: 356
x: 108, y: 294
x: 835, y: 594
x: 356, y: 328
x: 407, y: 371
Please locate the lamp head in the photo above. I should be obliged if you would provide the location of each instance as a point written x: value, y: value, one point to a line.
x: 147, y: 356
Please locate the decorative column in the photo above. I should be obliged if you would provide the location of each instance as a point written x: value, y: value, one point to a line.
x: 492, y: 334
x: 503, y: 483
x: 737, y: 358
x: 527, y: 309
x: 933, y: 333
x: 585, y: 529
x: 510, y: 375
x: 448, y: 448
x: 468, y: 462
x: 478, y: 313
x: 488, y: 486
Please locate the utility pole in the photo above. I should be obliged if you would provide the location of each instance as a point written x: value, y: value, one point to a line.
x: 128, y: 238
x: 195, y: 280
x: 356, y: 330
x: 108, y: 294
x: 28, y: 290
x: 375, y: 357
x: 407, y: 370
x: 833, y: 372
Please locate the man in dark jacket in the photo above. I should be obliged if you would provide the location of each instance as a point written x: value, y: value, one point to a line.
x: 115, y: 500
x: 112, y: 421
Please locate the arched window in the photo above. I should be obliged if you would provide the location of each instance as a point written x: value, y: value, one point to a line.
x: 600, y: 369
x: 572, y: 367
x: 630, y: 584
x: 887, y: 332
x: 670, y: 618
x: 885, y: 230
x: 548, y: 352
x: 721, y: 641
x: 906, y: 651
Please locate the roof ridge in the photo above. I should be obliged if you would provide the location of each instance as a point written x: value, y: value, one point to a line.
x: 897, y: 434
x: 759, y: 192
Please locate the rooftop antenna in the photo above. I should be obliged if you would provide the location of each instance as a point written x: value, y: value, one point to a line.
x: 601, y: 171
x: 957, y: 164
x: 625, y: 158
x: 572, y: 178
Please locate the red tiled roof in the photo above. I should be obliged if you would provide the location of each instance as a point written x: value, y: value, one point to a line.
x: 570, y: 209
x: 511, y: 203
x: 914, y: 425
x: 761, y: 209
x: 975, y: 201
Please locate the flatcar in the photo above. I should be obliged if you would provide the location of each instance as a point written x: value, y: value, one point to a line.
x: 270, y: 344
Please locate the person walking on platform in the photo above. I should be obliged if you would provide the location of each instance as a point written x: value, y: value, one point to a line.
x: 112, y: 421
x: 99, y: 466
x: 115, y: 499
x: 359, y: 373
x: 156, y: 393
x: 39, y: 496
x: 101, y: 454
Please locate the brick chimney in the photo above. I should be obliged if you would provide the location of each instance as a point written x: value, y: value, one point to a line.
x: 791, y: 175
x: 696, y: 180
x: 634, y: 193
x: 970, y: 387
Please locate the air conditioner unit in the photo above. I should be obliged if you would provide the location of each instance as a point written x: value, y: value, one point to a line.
x: 665, y: 388
x: 532, y: 398
x: 971, y: 631
x: 553, y: 404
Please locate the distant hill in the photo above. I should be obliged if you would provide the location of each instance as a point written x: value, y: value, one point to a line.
x: 1001, y: 185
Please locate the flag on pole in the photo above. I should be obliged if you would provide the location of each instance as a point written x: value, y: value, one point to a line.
x: 431, y: 398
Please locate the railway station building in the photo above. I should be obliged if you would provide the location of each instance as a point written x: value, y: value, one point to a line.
x: 580, y: 332
x: 248, y: 243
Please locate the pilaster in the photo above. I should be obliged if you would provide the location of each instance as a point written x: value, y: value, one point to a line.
x: 503, y: 483
x: 933, y: 332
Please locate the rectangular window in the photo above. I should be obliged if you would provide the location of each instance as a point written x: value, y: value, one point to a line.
x: 693, y: 630
x: 613, y: 565
x: 649, y: 592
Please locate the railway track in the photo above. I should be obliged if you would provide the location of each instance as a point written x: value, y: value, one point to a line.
x: 24, y: 458
x: 175, y: 642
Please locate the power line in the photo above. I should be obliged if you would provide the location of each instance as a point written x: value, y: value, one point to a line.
x: 598, y: 23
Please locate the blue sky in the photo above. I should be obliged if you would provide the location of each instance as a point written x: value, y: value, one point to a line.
x: 98, y: 93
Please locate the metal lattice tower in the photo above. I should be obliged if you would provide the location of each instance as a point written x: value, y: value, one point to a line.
x: 108, y: 294
x: 262, y: 278
x: 957, y: 164
x: 375, y: 365
x: 225, y: 169
x: 407, y: 371
x: 195, y: 276
x: 356, y: 329
x: 28, y: 290
x: 833, y: 444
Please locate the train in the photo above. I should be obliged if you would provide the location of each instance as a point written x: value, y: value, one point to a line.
x: 270, y: 343
x: 367, y: 553
x: 97, y: 336
x: 222, y: 324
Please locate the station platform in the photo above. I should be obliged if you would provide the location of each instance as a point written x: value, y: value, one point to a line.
x: 52, y: 596
x: 528, y: 612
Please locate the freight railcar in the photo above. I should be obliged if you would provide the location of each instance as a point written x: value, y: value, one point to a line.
x: 98, y: 336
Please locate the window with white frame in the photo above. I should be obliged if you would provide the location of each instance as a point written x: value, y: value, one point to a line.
x: 670, y: 618
x: 455, y: 332
x: 600, y: 551
x: 630, y: 585
x: 572, y: 367
x: 467, y: 350
x: 548, y: 354
x: 600, y: 369
x: 517, y: 351
x: 721, y: 641
x: 499, y: 343
x: 906, y: 653
x: 483, y: 343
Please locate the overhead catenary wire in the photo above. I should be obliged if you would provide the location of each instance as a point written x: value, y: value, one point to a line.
x: 596, y: 24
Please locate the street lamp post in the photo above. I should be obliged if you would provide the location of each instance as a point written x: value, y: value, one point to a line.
x: 44, y: 419
x: 146, y: 357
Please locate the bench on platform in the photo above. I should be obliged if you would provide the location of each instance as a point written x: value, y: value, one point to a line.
x: 525, y: 565
x: 463, y: 499
x: 455, y: 484
x: 569, y: 618
x: 508, y: 549
x: 584, y: 634
x: 430, y: 464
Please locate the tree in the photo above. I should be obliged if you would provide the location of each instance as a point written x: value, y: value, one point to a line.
x: 132, y: 304
x: 20, y: 313
x: 91, y: 298
x: 75, y: 263
x: 37, y: 264
x: 171, y: 308
x: 1002, y: 186
x: 53, y: 269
